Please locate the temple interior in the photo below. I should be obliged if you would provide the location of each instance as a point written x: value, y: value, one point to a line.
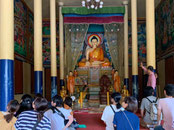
x: 72, y: 48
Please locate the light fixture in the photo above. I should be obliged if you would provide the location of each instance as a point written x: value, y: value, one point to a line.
x: 92, y: 4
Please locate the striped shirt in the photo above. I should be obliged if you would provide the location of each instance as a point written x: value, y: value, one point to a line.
x: 28, y: 119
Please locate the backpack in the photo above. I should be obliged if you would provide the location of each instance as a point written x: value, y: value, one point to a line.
x: 153, y: 110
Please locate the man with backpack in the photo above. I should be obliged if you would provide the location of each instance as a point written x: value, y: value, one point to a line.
x: 149, y: 108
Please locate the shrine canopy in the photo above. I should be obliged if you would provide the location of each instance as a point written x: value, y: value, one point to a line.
x: 104, y: 15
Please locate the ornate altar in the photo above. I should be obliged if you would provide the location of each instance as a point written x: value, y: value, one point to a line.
x: 91, y: 77
x: 92, y: 67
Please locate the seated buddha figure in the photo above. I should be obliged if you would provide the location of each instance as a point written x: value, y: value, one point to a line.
x: 94, y: 56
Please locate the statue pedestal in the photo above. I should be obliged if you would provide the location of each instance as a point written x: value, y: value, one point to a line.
x: 91, y: 76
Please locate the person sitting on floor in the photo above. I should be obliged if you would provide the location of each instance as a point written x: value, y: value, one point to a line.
x: 127, y: 120
x: 54, y: 114
x: 109, y: 111
x: 7, y: 119
x: 34, y: 119
x: 166, y: 107
x: 146, y: 106
x: 67, y: 105
x: 25, y: 105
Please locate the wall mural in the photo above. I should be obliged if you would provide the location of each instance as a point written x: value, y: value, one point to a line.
x: 165, y: 26
x: 23, y: 31
x: 46, y: 51
x: 20, y: 28
x: 30, y: 54
x: 141, y: 28
x: 46, y: 28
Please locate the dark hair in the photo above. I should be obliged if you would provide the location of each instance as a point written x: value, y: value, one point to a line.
x: 116, y: 71
x: 41, y: 105
x: 169, y: 88
x: 148, y: 91
x: 94, y: 37
x: 12, y: 106
x: 132, y: 104
x: 150, y: 68
x: 58, y: 100
x: 68, y: 101
x: 26, y: 104
x: 117, y: 97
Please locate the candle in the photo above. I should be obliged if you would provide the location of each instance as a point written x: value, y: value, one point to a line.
x: 108, y: 98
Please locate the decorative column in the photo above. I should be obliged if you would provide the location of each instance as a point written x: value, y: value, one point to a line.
x: 150, y: 32
x: 6, y: 52
x: 61, y: 45
x: 53, y: 48
x: 38, y: 77
x: 134, y: 49
x: 126, y: 60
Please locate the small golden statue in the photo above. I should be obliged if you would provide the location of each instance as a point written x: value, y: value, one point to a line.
x: 124, y: 92
x: 63, y: 92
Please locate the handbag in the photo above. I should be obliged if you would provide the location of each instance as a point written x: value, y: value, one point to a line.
x: 74, y: 124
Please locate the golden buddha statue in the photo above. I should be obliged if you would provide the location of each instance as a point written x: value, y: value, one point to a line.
x: 94, y: 55
x: 124, y: 92
x: 63, y: 92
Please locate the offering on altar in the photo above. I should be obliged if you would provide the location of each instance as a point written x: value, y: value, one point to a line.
x: 83, y: 94
x: 71, y: 83
x: 116, y: 81
x: 94, y: 55
x: 75, y: 73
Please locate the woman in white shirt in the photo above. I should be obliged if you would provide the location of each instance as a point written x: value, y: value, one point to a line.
x: 109, y: 111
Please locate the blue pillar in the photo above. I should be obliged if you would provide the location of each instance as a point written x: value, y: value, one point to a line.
x: 53, y: 86
x: 126, y: 82
x: 135, y: 86
x: 61, y: 83
x: 38, y: 82
x: 6, y: 82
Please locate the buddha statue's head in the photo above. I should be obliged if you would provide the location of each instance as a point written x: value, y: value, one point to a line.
x: 124, y: 87
x: 94, y: 41
x: 70, y: 73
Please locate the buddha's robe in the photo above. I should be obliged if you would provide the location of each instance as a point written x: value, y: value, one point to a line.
x: 96, y: 55
x: 117, y: 83
x: 70, y: 84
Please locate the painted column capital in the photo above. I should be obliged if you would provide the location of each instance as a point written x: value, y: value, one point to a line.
x: 61, y: 4
x: 125, y: 3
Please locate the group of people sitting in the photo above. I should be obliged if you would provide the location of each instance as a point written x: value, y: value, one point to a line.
x: 122, y: 114
x: 37, y: 114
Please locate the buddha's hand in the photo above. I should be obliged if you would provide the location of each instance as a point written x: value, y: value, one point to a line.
x: 87, y: 63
